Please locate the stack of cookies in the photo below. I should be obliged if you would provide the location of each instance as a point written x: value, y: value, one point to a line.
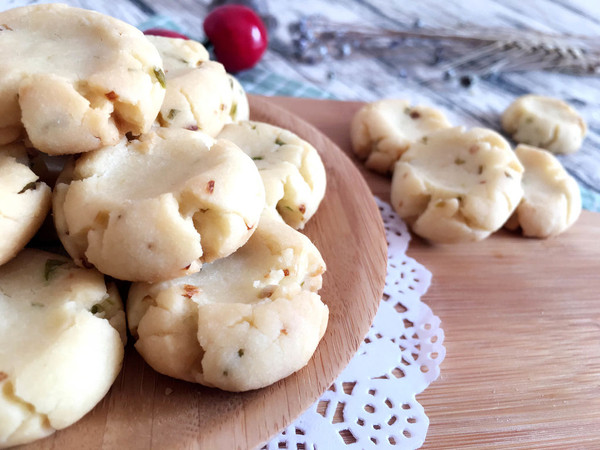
x: 162, y: 181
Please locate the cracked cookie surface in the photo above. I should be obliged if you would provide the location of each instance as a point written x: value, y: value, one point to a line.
x: 24, y: 201
x: 383, y: 130
x: 291, y: 168
x: 59, y: 365
x: 158, y: 207
x: 200, y: 95
x: 457, y: 185
x: 544, y: 122
x: 77, y: 80
x: 244, y: 321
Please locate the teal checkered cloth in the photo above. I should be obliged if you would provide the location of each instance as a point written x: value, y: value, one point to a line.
x: 262, y: 82
x: 590, y: 199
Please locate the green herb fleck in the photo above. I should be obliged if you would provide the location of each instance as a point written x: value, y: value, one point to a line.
x: 508, y: 175
x: 50, y: 267
x: 278, y: 141
x: 183, y: 60
x: 97, y: 308
x: 28, y: 187
x: 288, y: 208
x: 480, y: 170
x: 233, y: 111
x: 253, y: 126
x: 406, y: 110
x: 424, y: 139
x: 160, y: 77
x: 257, y: 158
x: 37, y: 305
x: 172, y: 114
x: 241, y: 352
x: 231, y: 83
x: 529, y: 120
x: 459, y: 161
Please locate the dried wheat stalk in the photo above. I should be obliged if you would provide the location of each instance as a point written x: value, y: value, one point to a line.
x: 464, y: 49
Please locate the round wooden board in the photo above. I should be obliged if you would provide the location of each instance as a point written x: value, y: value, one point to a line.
x: 145, y: 409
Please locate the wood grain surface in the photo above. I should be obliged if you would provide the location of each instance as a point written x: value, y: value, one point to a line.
x: 522, y: 324
x: 145, y: 410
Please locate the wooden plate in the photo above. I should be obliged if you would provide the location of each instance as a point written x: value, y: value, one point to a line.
x: 147, y: 410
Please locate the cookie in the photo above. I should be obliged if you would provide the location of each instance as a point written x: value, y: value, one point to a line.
x: 457, y: 185
x: 156, y: 208
x: 382, y: 131
x: 551, y: 201
x: 544, y: 122
x: 24, y: 201
x: 240, y: 109
x: 291, y: 169
x: 61, y: 344
x: 199, y: 92
x: 77, y: 80
x: 243, y: 322
x: 179, y: 54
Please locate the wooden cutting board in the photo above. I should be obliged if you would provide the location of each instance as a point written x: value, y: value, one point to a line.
x: 522, y: 324
x: 146, y: 410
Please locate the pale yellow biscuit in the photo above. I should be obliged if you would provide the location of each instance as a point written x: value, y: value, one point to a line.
x: 199, y: 92
x: 544, y: 122
x: 240, y: 109
x: 243, y: 322
x: 551, y: 201
x: 61, y: 344
x: 156, y: 208
x: 179, y: 54
x: 77, y: 79
x: 24, y: 201
x: 457, y: 185
x: 382, y: 131
x: 291, y: 168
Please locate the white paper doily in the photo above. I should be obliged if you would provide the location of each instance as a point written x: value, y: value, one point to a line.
x: 372, y: 403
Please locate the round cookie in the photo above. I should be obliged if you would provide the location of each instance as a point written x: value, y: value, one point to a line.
x: 156, y: 208
x: 291, y: 168
x: 382, y: 131
x: 551, y: 201
x: 61, y: 344
x: 77, y: 79
x: 243, y: 322
x: 544, y: 122
x: 24, y: 201
x: 199, y: 92
x: 457, y: 185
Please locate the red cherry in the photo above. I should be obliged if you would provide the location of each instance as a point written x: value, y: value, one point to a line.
x: 238, y: 35
x: 165, y: 33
